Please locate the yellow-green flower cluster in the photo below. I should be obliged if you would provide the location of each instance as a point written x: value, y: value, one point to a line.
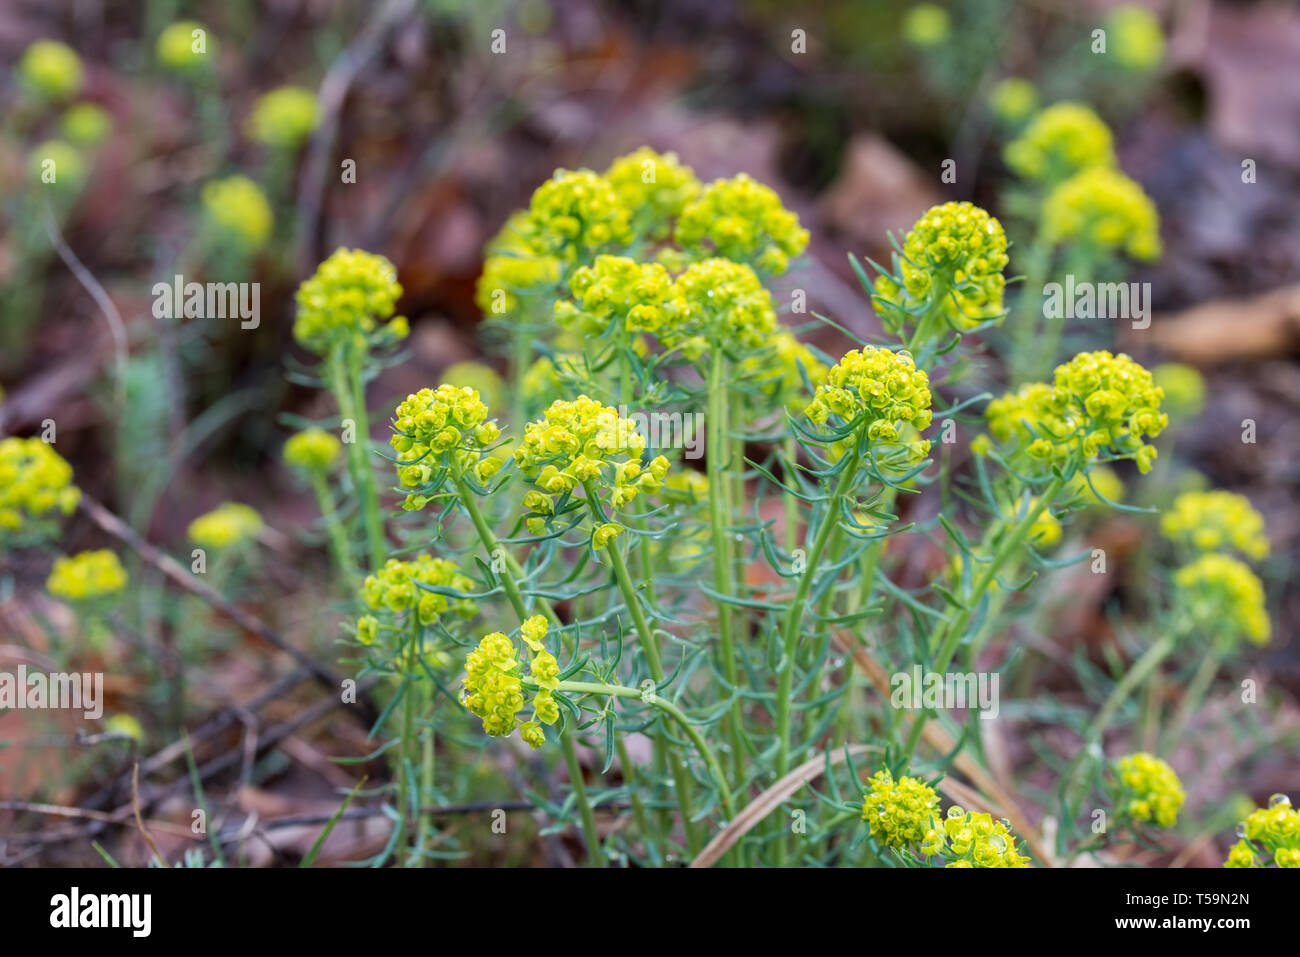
x: 637, y: 296
x: 493, y: 686
x: 1216, y: 522
x: 1184, y: 389
x: 283, y: 118
x: 579, y: 444
x: 576, y: 214
x: 1013, y: 100
x: 35, y: 482
x: 956, y: 252
x: 440, y: 429
x: 86, y: 576
x: 1062, y: 140
x: 396, y: 587
x: 654, y: 187
x: 926, y: 25
x: 744, y: 221
x: 184, y: 46
x: 59, y: 164
x: 1135, y: 38
x: 719, y: 302
x: 1098, y: 403
x: 50, y: 70
x: 1102, y: 209
x: 348, y: 295
x: 974, y: 840
x: 1223, y: 595
x: 228, y: 524
x: 515, y: 267
x: 1149, y: 790
x: 884, y: 387
x: 238, y: 211
x: 85, y: 124
x: 313, y: 450
x: 1272, y: 832
x: 898, y: 812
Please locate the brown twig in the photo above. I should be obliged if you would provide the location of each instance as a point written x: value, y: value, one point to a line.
x: 139, y: 819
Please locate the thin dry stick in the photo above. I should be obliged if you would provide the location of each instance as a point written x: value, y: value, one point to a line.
x: 769, y: 801
x: 101, y: 297
x: 103, y: 817
x: 114, y: 526
x: 139, y: 819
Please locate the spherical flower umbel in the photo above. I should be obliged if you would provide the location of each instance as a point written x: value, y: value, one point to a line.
x: 616, y: 290
x: 516, y: 269
x: 1136, y: 40
x: 238, y: 212
x: 1013, y: 99
x: 883, y: 387
x: 400, y: 586
x: 493, y: 686
x: 898, y: 812
x: 744, y: 221
x: 720, y: 303
x: 1148, y: 789
x: 85, y: 124
x: 184, y: 46
x: 583, y: 441
x: 313, y: 450
x: 35, y: 484
x: 1216, y: 522
x: 283, y: 118
x: 654, y: 187
x: 954, y: 254
x: 1062, y: 140
x: 347, y: 297
x: 440, y: 432
x: 1224, y: 596
x: 1272, y: 832
x: 50, y: 70
x: 1102, y: 403
x: 86, y: 576
x: 576, y: 214
x: 230, y: 523
x: 976, y: 840
x: 1102, y: 209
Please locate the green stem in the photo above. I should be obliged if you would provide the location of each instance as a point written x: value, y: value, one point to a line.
x: 426, y: 785
x: 349, y: 392
x: 1194, y: 695
x: 338, y: 540
x: 594, y: 854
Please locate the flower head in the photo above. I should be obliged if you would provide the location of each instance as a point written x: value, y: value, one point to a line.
x: 85, y: 124
x: 283, y: 118
x: 1223, y: 595
x: 35, y: 483
x: 954, y: 254
x: 1272, y: 832
x: 885, y: 388
x: 313, y: 450
x: 1149, y: 790
x: 720, y: 302
x: 51, y: 70
x: 1184, y: 389
x: 86, y: 576
x: 898, y: 812
x: 184, y: 46
x: 654, y: 187
x: 1013, y: 100
x: 238, y: 212
x: 976, y: 840
x: 58, y: 163
x: 618, y: 290
x: 400, y: 586
x: 1136, y: 40
x: 1099, y: 403
x: 515, y: 269
x: 228, y: 524
x: 1216, y: 522
x: 1062, y: 140
x: 576, y: 214
x: 744, y: 221
x: 350, y: 293
x: 926, y: 25
x: 1103, y: 209
x: 438, y: 431
x: 493, y: 687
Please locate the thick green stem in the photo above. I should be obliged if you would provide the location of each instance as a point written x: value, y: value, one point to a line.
x: 594, y: 853
x: 349, y: 391
x: 426, y: 785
